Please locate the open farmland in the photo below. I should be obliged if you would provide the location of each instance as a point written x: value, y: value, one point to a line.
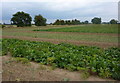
x: 94, y: 60
x: 105, y: 37
x: 58, y: 46
x: 87, y: 29
x: 59, y: 40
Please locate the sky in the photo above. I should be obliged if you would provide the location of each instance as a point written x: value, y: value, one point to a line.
x: 61, y: 9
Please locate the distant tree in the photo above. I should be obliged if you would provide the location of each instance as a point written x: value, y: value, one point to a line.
x: 21, y: 19
x: 69, y: 22
x: 40, y: 20
x: 57, y: 22
x: 51, y: 23
x: 76, y: 22
x: 96, y: 20
x: 66, y: 22
x: 82, y: 22
x: 86, y: 22
x: 113, y: 21
x: 105, y: 22
x: 73, y: 22
x: 62, y: 22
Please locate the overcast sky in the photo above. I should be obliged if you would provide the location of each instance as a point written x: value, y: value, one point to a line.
x: 62, y: 9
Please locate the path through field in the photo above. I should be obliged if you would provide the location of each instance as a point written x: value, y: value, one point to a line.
x: 56, y: 41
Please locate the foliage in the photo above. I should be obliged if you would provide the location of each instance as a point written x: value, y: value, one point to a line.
x: 104, y: 62
x: 66, y: 79
x: 86, y: 22
x: 85, y: 74
x: 66, y: 22
x: 22, y: 60
x: 40, y: 20
x: 3, y: 26
x: 69, y: 22
x: 21, y: 19
x: 96, y: 20
x: 113, y: 21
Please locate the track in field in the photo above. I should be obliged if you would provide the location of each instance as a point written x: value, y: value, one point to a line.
x: 56, y: 41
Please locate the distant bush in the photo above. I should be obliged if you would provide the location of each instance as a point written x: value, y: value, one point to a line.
x: 3, y: 26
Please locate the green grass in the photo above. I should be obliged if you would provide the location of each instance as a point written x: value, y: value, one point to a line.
x: 92, y: 38
x: 86, y: 29
x: 66, y: 36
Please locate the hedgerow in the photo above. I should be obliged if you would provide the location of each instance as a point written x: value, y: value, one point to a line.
x: 103, y: 62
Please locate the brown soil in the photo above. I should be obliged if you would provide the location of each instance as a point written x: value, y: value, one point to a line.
x: 56, y: 41
x: 13, y: 71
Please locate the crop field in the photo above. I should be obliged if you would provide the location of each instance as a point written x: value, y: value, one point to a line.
x: 103, y: 62
x: 92, y: 49
x: 87, y: 29
x: 102, y: 36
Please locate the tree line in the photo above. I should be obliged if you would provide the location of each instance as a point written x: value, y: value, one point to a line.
x: 22, y: 19
x: 69, y: 22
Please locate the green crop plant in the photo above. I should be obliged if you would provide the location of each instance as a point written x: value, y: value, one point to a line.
x: 103, y: 62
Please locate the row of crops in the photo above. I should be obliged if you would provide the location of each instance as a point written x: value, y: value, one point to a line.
x: 103, y: 62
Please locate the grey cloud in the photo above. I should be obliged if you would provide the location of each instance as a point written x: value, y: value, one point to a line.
x: 60, y: 10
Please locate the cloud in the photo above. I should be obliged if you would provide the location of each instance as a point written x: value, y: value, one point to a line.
x: 59, y: 1
x: 119, y: 11
x: 62, y: 9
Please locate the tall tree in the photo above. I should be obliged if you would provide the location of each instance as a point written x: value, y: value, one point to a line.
x: 96, y: 20
x: 21, y: 19
x: 40, y: 20
x: 113, y: 21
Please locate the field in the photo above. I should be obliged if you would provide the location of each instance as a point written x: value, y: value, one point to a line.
x: 86, y: 29
x: 92, y: 49
x: 101, y: 36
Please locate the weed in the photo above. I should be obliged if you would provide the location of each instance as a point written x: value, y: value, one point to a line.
x: 85, y: 74
x: 22, y: 60
x: 42, y: 67
x: 66, y: 79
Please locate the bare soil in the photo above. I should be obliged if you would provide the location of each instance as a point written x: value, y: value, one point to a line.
x: 13, y: 71
x: 56, y: 41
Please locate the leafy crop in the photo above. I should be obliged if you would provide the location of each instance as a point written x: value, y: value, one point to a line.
x: 103, y: 62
